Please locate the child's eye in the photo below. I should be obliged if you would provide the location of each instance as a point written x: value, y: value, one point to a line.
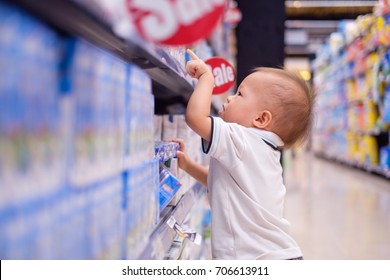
x: 239, y: 94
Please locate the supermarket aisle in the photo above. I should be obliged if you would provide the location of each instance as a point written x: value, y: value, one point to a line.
x: 337, y: 212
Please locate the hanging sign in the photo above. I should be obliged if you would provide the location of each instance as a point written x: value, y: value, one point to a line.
x: 223, y: 72
x: 175, y: 22
x: 233, y: 15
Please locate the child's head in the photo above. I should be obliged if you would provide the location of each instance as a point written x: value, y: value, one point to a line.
x: 275, y: 100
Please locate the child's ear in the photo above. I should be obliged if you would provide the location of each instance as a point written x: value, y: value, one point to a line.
x: 263, y: 119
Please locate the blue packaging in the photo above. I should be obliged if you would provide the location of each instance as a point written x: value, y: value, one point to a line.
x: 104, y: 214
x: 98, y: 88
x: 139, y: 142
x: 386, y: 105
x: 169, y: 185
x: 31, y: 144
x: 384, y: 158
x: 165, y: 150
x: 141, y: 206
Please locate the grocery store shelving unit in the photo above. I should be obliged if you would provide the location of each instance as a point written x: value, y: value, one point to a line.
x: 75, y: 20
x: 351, y: 75
x: 162, y: 238
x: 168, y: 81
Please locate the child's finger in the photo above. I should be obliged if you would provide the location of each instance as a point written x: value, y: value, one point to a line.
x: 192, y: 54
x: 180, y: 154
x: 181, y: 143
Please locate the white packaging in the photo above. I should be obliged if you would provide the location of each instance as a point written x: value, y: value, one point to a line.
x: 170, y: 127
x: 158, y: 123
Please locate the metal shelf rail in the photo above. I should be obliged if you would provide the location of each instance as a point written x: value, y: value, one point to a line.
x: 163, y: 236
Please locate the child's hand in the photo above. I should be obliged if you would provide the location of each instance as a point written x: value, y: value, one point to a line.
x: 182, y: 157
x: 196, y: 67
x: 193, y: 169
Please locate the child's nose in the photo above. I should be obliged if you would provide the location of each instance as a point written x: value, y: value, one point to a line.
x: 229, y: 98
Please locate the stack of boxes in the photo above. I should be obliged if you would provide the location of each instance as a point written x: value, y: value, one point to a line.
x: 78, y: 177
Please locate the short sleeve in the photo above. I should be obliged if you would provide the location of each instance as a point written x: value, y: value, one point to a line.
x: 227, y: 142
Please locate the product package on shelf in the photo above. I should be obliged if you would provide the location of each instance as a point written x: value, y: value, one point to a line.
x: 175, y: 126
x: 139, y: 135
x: 27, y: 233
x: 88, y: 222
x: 385, y: 158
x: 169, y: 185
x: 369, y: 153
x: 169, y: 127
x: 386, y: 105
x: 165, y: 150
x: 179, y: 55
x: 158, y: 123
x: 97, y: 89
x: 142, y: 206
x: 69, y: 225
x: 105, y: 219
x: 370, y: 116
x: 32, y: 154
x: 353, y: 152
x: 142, y: 177
x: 166, y: 154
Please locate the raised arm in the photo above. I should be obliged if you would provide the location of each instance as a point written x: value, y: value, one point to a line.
x: 198, y: 108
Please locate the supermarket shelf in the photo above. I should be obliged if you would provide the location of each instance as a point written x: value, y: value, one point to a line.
x: 163, y: 236
x: 365, y: 167
x: 67, y: 16
x: 327, y: 10
x: 373, y: 132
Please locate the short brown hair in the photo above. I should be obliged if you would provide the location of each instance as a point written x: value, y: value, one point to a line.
x: 296, y: 100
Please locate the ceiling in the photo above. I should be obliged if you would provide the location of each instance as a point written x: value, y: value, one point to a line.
x: 309, y: 23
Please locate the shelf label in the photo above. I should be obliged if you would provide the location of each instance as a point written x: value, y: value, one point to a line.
x: 184, y: 231
x: 223, y: 72
x: 175, y: 22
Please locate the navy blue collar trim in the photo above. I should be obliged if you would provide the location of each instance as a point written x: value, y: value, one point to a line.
x: 271, y: 145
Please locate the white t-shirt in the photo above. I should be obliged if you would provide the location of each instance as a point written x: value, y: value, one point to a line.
x: 246, y: 194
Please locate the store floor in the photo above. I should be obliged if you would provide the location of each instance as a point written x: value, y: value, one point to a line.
x: 336, y: 212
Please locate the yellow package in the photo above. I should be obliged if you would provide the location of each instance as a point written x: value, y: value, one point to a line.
x: 351, y: 90
x: 352, y: 146
x: 369, y: 149
x: 371, y: 115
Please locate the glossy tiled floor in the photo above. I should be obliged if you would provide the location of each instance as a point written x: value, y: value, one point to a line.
x: 336, y: 212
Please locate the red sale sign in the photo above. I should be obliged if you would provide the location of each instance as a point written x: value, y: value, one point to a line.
x: 223, y: 72
x: 175, y: 22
